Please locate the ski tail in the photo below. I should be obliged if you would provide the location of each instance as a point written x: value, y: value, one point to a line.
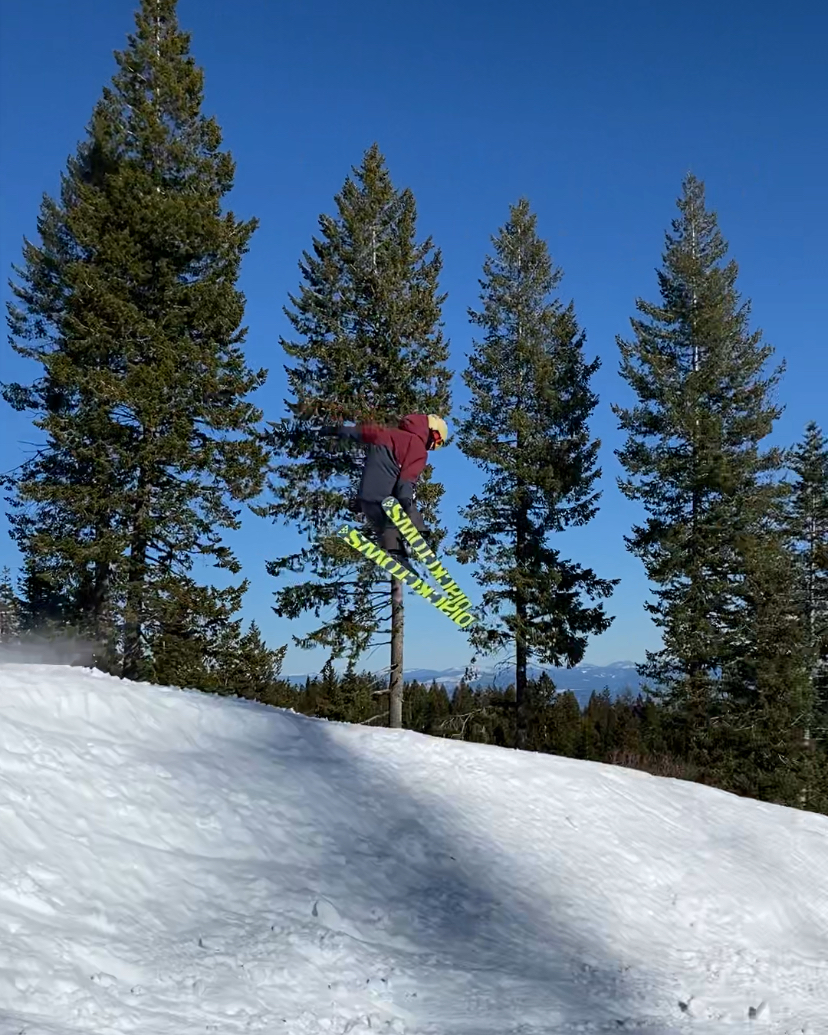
x: 423, y: 552
x: 451, y: 606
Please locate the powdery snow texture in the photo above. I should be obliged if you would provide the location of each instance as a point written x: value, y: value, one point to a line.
x: 173, y: 863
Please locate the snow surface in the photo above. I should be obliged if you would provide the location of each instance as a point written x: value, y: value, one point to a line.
x: 173, y: 863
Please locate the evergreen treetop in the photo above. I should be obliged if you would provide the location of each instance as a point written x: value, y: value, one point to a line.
x: 129, y: 304
x: 368, y: 346
x: 807, y: 531
x: 694, y: 456
x: 526, y: 426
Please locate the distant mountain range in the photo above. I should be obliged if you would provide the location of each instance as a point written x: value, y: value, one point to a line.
x: 582, y: 680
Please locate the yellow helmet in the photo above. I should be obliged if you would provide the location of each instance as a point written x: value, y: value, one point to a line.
x: 439, y: 431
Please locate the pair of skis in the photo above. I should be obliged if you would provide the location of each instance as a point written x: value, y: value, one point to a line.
x: 452, y: 601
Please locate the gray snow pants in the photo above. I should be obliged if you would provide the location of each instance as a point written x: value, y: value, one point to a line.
x: 388, y: 535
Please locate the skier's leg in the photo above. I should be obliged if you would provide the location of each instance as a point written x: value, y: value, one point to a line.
x: 404, y: 493
x: 374, y: 514
x: 387, y: 536
x: 391, y: 541
x: 396, y: 543
x: 415, y: 517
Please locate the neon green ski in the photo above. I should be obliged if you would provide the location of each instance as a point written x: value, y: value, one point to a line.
x: 420, y: 548
x: 455, y: 605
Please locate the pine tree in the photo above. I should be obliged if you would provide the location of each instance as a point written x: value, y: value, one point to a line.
x: 526, y: 426
x: 438, y: 708
x: 598, y: 721
x: 807, y: 529
x: 191, y: 635
x: 129, y: 305
x: 758, y: 742
x: 247, y: 667
x: 10, y: 609
x: 566, y: 724
x: 694, y: 459
x: 368, y: 347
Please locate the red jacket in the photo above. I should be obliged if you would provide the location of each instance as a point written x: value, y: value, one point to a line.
x: 395, y: 458
x: 406, y: 442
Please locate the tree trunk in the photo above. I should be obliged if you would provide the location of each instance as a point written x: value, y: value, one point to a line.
x: 521, y: 653
x: 395, y: 679
x: 100, y: 597
x: 521, y: 701
x: 133, y: 624
x: 136, y: 578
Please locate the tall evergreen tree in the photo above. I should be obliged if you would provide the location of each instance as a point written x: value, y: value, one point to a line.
x: 368, y: 346
x: 129, y: 304
x: 192, y: 634
x: 694, y: 459
x: 526, y: 426
x: 807, y: 527
x: 757, y: 742
x: 10, y: 609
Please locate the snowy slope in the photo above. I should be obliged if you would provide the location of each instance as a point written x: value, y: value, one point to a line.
x: 173, y: 863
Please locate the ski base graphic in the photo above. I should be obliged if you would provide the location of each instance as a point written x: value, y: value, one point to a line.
x: 421, y: 550
x: 453, y: 605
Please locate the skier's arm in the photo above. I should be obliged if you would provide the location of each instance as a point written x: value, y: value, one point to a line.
x: 365, y: 433
x: 404, y: 492
x: 412, y: 468
x: 369, y: 434
x: 410, y: 472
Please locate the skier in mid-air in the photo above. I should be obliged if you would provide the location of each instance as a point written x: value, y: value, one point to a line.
x: 394, y: 460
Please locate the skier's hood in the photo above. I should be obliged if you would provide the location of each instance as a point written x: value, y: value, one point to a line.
x: 416, y: 424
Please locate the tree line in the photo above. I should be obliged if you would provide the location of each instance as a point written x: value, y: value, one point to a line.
x: 151, y: 446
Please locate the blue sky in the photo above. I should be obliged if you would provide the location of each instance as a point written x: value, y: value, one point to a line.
x: 593, y: 110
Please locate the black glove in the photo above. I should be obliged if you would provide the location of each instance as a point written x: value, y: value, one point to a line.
x: 405, y: 496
